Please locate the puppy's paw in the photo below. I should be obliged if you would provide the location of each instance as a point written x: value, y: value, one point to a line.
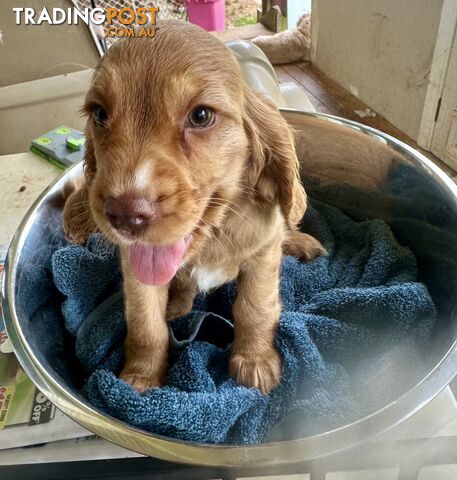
x: 141, y: 382
x: 312, y: 249
x: 177, y: 308
x: 302, y: 245
x: 262, y: 372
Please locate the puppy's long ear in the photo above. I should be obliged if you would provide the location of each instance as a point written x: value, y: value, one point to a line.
x: 77, y: 220
x: 273, y: 169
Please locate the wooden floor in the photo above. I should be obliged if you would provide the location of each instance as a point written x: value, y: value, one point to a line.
x: 329, y: 97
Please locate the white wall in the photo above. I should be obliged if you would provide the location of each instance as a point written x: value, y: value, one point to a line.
x: 379, y: 50
x: 31, y: 52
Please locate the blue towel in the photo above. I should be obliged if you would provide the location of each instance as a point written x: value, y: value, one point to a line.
x: 349, y: 321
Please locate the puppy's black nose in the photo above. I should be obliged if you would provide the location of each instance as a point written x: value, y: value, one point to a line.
x: 130, y: 212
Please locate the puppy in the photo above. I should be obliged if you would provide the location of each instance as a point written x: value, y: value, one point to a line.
x: 195, y: 178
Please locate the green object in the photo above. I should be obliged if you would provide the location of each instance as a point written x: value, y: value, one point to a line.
x: 62, y: 146
x: 75, y: 143
x: 63, y: 130
x: 44, y: 140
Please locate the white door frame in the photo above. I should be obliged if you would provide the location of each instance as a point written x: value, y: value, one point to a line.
x: 440, y: 62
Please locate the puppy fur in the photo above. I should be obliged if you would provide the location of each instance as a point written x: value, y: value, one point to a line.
x: 233, y: 188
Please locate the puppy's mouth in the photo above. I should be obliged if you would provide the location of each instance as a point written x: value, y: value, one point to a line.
x: 153, y: 256
x: 157, y: 264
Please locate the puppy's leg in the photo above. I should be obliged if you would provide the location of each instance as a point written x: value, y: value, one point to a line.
x: 302, y: 245
x: 255, y: 361
x: 181, y: 295
x: 146, y: 345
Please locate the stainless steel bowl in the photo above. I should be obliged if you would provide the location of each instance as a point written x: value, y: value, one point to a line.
x: 43, y: 220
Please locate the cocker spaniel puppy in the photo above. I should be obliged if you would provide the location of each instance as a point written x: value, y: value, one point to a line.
x: 195, y: 178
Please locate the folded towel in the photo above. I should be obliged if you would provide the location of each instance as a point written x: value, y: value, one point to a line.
x: 349, y: 321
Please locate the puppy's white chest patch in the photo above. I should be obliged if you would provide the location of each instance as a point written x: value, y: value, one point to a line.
x: 208, y: 279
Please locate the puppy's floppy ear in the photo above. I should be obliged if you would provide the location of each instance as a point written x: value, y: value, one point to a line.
x: 273, y: 167
x: 90, y: 164
x: 78, y: 223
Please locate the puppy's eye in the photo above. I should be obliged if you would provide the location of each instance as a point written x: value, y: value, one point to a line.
x: 99, y: 115
x: 200, y: 117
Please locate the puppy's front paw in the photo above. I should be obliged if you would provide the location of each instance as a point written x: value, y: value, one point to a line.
x: 141, y: 382
x: 259, y: 371
x: 177, y: 308
x: 313, y: 249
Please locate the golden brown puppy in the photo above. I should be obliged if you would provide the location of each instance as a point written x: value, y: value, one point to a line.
x: 195, y: 178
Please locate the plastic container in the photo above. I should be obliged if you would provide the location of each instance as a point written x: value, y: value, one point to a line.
x: 208, y: 14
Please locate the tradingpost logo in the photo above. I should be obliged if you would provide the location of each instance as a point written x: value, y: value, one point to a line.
x: 120, y: 22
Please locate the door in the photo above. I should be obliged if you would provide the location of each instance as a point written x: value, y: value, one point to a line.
x: 444, y: 141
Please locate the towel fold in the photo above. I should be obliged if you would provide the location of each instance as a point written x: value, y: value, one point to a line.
x: 349, y: 320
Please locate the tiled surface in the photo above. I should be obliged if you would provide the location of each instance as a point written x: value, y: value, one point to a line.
x: 379, y: 474
x: 438, y: 472
x: 433, y: 472
x: 438, y: 418
x: 278, y: 477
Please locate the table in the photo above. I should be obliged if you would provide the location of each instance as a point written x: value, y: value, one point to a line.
x: 23, y: 176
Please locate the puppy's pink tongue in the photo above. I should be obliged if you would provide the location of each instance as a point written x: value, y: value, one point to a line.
x: 156, y: 264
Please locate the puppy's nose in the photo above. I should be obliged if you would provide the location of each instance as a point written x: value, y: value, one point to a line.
x: 130, y: 212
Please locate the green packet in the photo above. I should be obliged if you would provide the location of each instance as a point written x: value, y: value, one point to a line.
x: 20, y: 401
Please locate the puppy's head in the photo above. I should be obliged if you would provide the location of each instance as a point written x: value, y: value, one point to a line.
x: 173, y: 137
